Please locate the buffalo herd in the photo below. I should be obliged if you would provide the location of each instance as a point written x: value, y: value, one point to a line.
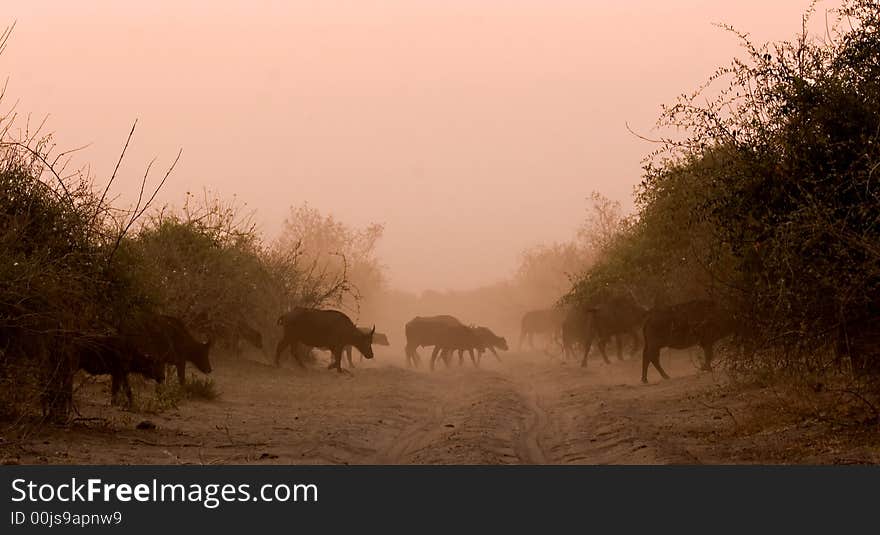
x: 700, y: 322
x: 146, y: 343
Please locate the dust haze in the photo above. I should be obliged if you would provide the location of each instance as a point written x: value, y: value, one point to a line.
x: 471, y: 130
x: 396, y: 161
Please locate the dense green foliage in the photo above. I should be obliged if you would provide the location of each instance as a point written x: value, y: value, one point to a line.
x: 770, y: 200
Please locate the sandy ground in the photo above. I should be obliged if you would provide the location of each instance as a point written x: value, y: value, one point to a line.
x: 528, y: 409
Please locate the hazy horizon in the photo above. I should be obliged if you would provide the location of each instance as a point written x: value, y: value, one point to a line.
x: 471, y: 130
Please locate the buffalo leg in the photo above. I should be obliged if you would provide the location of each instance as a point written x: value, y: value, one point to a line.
x: 657, y: 365
x: 434, y: 356
x: 181, y: 372
x: 474, y: 360
x: 707, y: 357
x: 447, y: 355
x: 413, y: 358
x: 619, y: 339
x: 601, y: 343
x: 296, y: 352
x: 588, y: 343
x: 461, y: 357
x: 127, y: 389
x: 282, y: 345
x: 120, y: 381
x: 651, y: 355
x: 337, y: 360
x: 647, y: 357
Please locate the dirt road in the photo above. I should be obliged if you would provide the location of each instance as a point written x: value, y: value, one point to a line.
x: 529, y: 409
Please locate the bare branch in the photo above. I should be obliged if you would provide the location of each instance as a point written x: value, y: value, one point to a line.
x: 116, y: 169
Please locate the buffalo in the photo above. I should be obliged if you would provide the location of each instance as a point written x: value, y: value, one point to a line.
x: 166, y: 338
x: 618, y: 317
x: 116, y: 356
x: 490, y: 341
x: 701, y: 322
x: 379, y: 339
x: 423, y: 331
x: 576, y: 330
x: 325, y: 329
x: 459, y: 338
x: 547, y: 322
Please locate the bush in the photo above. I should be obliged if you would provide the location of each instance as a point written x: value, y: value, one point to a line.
x: 56, y: 274
x: 770, y: 201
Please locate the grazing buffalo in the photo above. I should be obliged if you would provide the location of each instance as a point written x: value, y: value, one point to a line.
x: 325, y: 329
x: 423, y: 331
x: 546, y: 322
x: 379, y: 339
x: 459, y: 338
x: 490, y: 341
x: 117, y: 357
x: 701, y: 322
x: 166, y: 338
x: 619, y: 316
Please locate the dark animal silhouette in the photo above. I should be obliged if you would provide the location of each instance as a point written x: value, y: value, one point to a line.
x: 618, y: 317
x: 490, y: 341
x: 459, y: 338
x: 166, y: 338
x: 423, y: 331
x: 576, y: 330
x: 117, y: 357
x: 701, y: 322
x: 546, y: 322
x: 324, y: 329
x: 379, y: 339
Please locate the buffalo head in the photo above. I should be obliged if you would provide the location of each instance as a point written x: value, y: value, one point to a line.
x: 365, y: 343
x: 200, y: 357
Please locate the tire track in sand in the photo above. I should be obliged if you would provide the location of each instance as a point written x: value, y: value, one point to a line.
x: 412, y: 439
x: 527, y: 444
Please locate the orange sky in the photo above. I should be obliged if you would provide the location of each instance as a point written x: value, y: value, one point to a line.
x: 470, y: 128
